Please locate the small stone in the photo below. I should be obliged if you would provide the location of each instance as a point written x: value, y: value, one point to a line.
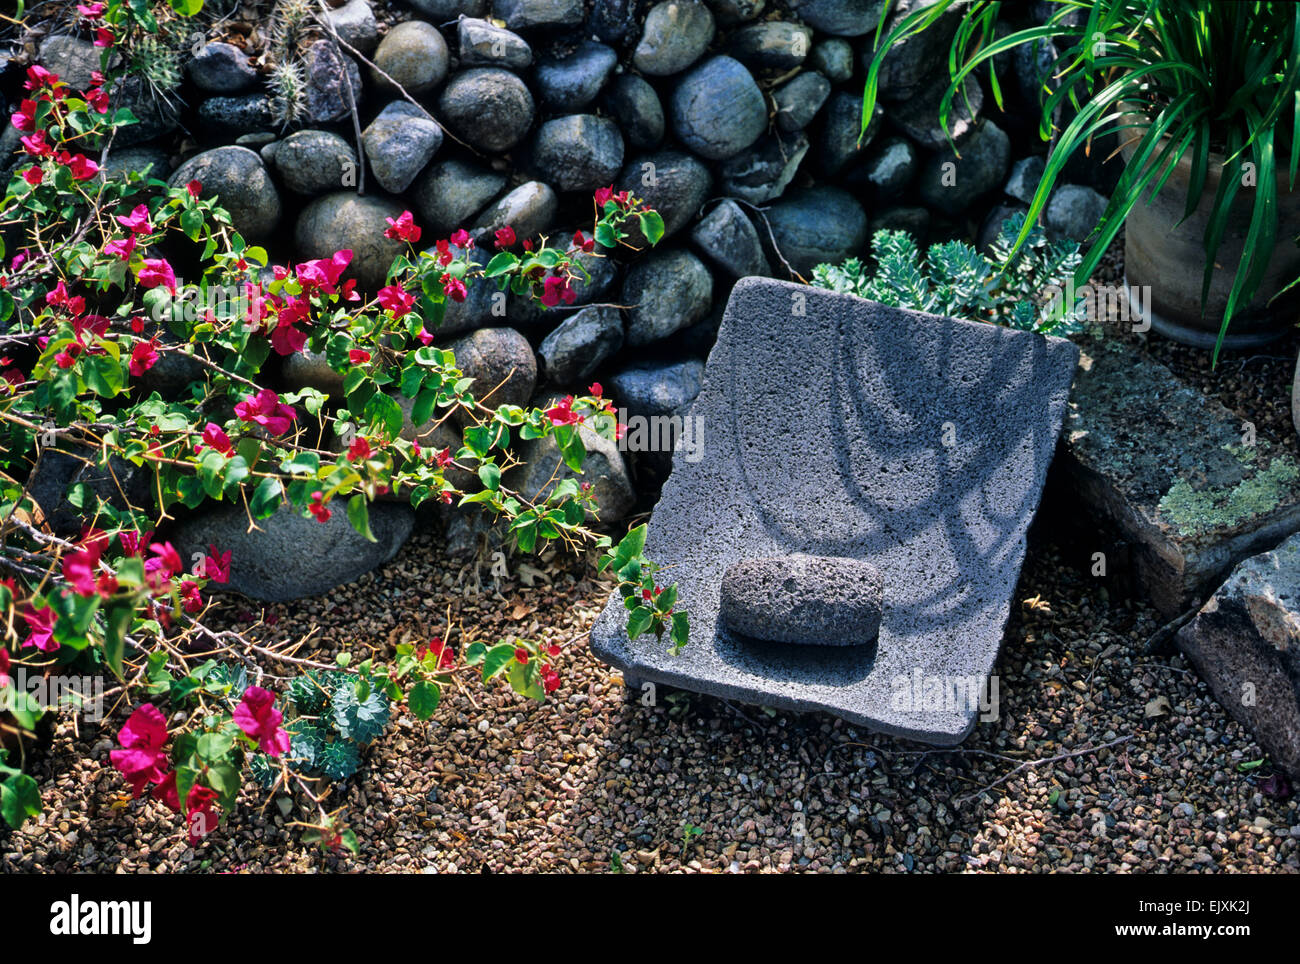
x: 952, y: 183
x: 488, y: 107
x: 673, y: 183
x: 345, y: 220
x: 355, y: 24
x: 221, y: 68
x: 224, y: 117
x: 728, y: 239
x: 448, y: 194
x: 665, y: 292
x: 763, y: 172
x: 399, y: 143
x: 888, y: 169
x: 501, y: 363
x: 815, y: 225
x: 798, y: 100
x: 1024, y: 178
x: 614, y: 21
x: 571, y: 82
x: 918, y: 117
x: 841, y: 18
x: 75, y: 60
x: 522, y: 14
x: 717, y: 109
x: 529, y: 209
x: 913, y: 219
x: 333, y: 83
x: 236, y: 177
x: 804, y: 600
x: 657, y: 388
x: 833, y: 58
x: 414, y: 55
x: 1073, y: 212
x: 313, y: 162
x: 771, y: 45
x: 633, y: 103
x: 842, y: 141
x: 580, y: 344
x: 580, y: 152
x: 484, y: 44
x: 676, y: 34
x: 918, y: 64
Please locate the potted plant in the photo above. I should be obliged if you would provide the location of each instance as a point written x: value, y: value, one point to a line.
x: 1205, y: 99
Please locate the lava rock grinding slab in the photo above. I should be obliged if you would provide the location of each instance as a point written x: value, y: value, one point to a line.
x: 841, y: 427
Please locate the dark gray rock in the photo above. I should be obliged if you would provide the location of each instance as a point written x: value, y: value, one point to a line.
x: 221, y: 68
x: 580, y: 344
x: 728, y: 239
x: 227, y: 117
x: 915, y: 220
x: 614, y: 21
x: 1073, y: 212
x: 731, y: 12
x: 798, y: 100
x: 75, y: 60
x: 656, y: 388
x: 665, y: 292
x: 146, y: 161
x: 717, y: 110
x: 887, y: 170
x: 484, y: 44
x: 399, y: 143
x: 991, y: 226
x: 815, y: 225
x: 1034, y: 63
x: 842, y: 18
x: 1025, y: 175
x: 119, y: 483
x: 156, y: 115
x: 945, y: 526
x: 333, y: 83
x: 501, y: 363
x: 355, y: 24
x: 765, y: 170
x: 672, y: 182
x: 442, y: 11
x: 414, y: 55
x: 603, y: 469
x: 839, y: 139
x: 676, y: 34
x: 488, y: 107
x: 1245, y: 642
x: 346, y: 221
x: 918, y: 63
x: 803, y: 600
x: 918, y: 117
x: 595, y: 279
x: 632, y: 102
x: 483, y: 305
x: 313, y: 162
x: 832, y: 58
x: 448, y: 194
x: 1181, y: 489
x: 580, y: 152
x: 572, y: 82
x: 236, y: 177
x: 530, y: 209
x: 771, y: 45
x: 951, y: 184
x: 523, y: 14
x: 290, y: 556
x: 309, y: 369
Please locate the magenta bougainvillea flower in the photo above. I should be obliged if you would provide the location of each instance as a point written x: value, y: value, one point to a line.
x: 40, y: 623
x: 216, y: 566
x: 142, y: 759
x: 137, y: 221
x: 266, y: 409
x: 556, y: 289
x: 257, y: 716
x: 155, y: 272
x: 505, y: 237
x: 562, y: 412
x: 215, y: 438
x: 144, y: 355
x: 396, y: 299
x: 403, y: 228
x: 454, y: 288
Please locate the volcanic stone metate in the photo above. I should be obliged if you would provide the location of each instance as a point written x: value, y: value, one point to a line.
x: 840, y: 427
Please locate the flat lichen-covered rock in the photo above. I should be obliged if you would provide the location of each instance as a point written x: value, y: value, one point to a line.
x: 840, y: 427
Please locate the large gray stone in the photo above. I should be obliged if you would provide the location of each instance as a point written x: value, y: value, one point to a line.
x: 118, y: 483
x: 887, y: 169
x: 843, y: 18
x: 571, y: 82
x: 728, y: 239
x: 771, y: 45
x: 313, y: 162
x: 951, y: 182
x: 801, y: 599
x: 665, y: 292
x: 764, y: 171
x: 484, y: 44
x: 842, y: 140
x: 488, y: 107
x: 291, y: 557
x: 833, y: 58
x: 346, y: 221
x: 522, y: 14
x: 399, y: 143
x: 1245, y: 642
x: 874, y: 480
x: 448, y: 194
x: 647, y: 389
x: 414, y: 55
x: 333, y: 83
x: 632, y: 102
x: 815, y: 225
x: 579, y: 152
x: 673, y: 183
x: 1073, y: 212
x: 221, y: 68
x: 919, y: 117
x: 798, y: 100
x: 501, y: 363
x: 1166, y: 467
x: 580, y: 344
x: 355, y: 24
x: 236, y: 177
x: 529, y: 209
x: 918, y: 63
x: 717, y: 110
x: 676, y: 34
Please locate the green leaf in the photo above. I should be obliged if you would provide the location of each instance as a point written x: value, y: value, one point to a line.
x: 20, y: 798
x: 496, y: 659
x: 490, y: 474
x: 266, y: 498
x: 681, y: 631
x: 359, y: 516
x: 423, y: 698
x: 501, y: 263
x: 652, y: 226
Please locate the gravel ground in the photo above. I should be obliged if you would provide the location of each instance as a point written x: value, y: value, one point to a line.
x: 591, y: 781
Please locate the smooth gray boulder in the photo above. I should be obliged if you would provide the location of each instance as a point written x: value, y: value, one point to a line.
x: 798, y: 100
x: 673, y: 183
x: 355, y: 23
x: 484, y: 44
x: 1245, y: 642
x: 571, y: 82
x: 236, y: 177
x: 952, y: 183
x: 665, y: 292
x: 488, y: 107
x: 290, y: 556
x: 313, y: 162
x: 522, y: 14
x: 1073, y: 212
x: 502, y: 365
x: 728, y: 238
x: 414, y: 55
x: 815, y: 225
x: 344, y: 220
x: 833, y: 58
x: 675, y: 35
x: 580, y: 344
x: 604, y: 470
x: 803, y: 600
x: 842, y: 18
x: 656, y: 388
x: 632, y: 102
x: 777, y: 45
x: 926, y: 465
x: 399, y: 143
x: 529, y: 209
x: 717, y: 109
x: 887, y: 170
x: 448, y: 194
x: 221, y: 68
x: 579, y: 152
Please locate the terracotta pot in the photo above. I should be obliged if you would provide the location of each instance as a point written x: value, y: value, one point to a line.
x: 1169, y: 259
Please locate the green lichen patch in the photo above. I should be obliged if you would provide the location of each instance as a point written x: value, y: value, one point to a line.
x: 1199, y: 511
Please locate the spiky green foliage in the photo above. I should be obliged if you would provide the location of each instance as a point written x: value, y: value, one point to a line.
x: 156, y: 59
x: 1020, y: 288
x: 288, y: 84
x: 290, y: 20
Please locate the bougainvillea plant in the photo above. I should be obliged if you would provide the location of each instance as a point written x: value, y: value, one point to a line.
x: 91, y: 302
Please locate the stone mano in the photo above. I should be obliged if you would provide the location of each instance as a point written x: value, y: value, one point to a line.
x: 840, y: 427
